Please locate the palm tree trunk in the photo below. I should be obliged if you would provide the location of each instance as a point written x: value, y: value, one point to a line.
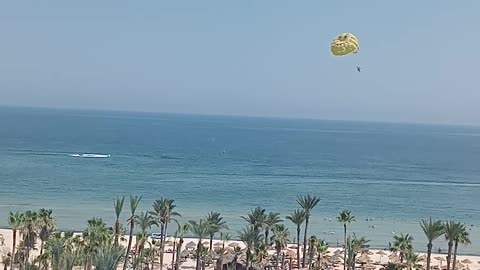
x: 199, y: 247
x: 162, y: 251
x: 117, y: 231
x: 211, y: 242
x: 276, y: 259
x: 345, y: 246
x: 455, y: 255
x: 449, y: 256
x: 179, y: 249
x: 305, y: 241
x: 130, y: 238
x: 13, y: 248
x: 162, y: 232
x: 283, y: 260
x: 298, y: 246
x: 249, y: 253
x: 429, y: 254
x: 173, y: 254
x: 266, y: 236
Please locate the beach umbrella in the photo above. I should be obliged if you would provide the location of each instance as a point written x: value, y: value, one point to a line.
x: 291, y: 254
x: 206, y: 243
x: 381, y: 253
x: 394, y: 257
x: 191, y: 244
x: 294, y: 246
x: 233, y: 245
x: 363, y: 258
x: 218, y: 244
x: 440, y: 260
x: 467, y: 261
x: 338, y: 251
x: 336, y: 259
x: 185, y: 253
x: 369, y: 252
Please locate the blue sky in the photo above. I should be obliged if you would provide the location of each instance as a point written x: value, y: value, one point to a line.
x: 264, y: 58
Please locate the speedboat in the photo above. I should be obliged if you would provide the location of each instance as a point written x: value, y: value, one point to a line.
x: 87, y: 155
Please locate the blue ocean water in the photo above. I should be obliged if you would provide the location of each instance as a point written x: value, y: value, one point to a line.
x: 394, y: 174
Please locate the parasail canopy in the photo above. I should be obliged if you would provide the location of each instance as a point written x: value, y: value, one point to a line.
x: 345, y: 44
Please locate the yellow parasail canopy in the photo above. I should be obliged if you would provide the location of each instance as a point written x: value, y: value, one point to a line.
x: 345, y: 44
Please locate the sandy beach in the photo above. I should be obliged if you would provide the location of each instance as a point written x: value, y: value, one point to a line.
x: 375, y: 257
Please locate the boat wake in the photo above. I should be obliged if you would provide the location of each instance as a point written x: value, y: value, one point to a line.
x: 88, y: 155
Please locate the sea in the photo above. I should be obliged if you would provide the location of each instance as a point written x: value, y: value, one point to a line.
x: 388, y: 175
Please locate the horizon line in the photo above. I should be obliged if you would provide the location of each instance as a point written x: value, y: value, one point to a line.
x: 242, y: 116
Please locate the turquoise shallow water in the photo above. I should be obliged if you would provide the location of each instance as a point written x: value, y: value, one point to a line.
x: 393, y: 173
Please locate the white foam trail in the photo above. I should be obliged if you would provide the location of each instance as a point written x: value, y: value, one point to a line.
x: 89, y: 155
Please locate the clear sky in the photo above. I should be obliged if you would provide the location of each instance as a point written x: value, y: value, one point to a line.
x: 264, y: 57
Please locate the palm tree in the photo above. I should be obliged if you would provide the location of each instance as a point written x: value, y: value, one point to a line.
x: 200, y: 230
x: 29, y: 232
x: 307, y: 202
x: 163, y: 210
x: 256, y: 218
x: 47, y: 226
x: 354, y: 246
x: 55, y: 248
x: 413, y: 261
x: 322, y: 252
x: 182, y: 230
x: 96, y: 236
x: 462, y: 238
x: 251, y: 238
x: 271, y: 221
x: 297, y: 217
x: 260, y: 257
x: 280, y: 240
x: 345, y: 218
x: 432, y: 230
x: 134, y: 202
x: 225, y: 238
x: 403, y: 245
x: 392, y: 266
x: 216, y: 225
x: 145, y: 221
x: 107, y: 258
x: 15, y: 220
x: 452, y: 231
x: 118, y: 205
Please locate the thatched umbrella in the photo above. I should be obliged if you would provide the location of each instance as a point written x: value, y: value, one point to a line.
x: 233, y: 245
x: 467, y: 261
x: 336, y: 259
x: 363, y: 259
x: 185, y: 253
x: 291, y: 254
x: 369, y: 252
x: 381, y: 253
x: 191, y: 244
x: 440, y: 260
x: 206, y: 244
